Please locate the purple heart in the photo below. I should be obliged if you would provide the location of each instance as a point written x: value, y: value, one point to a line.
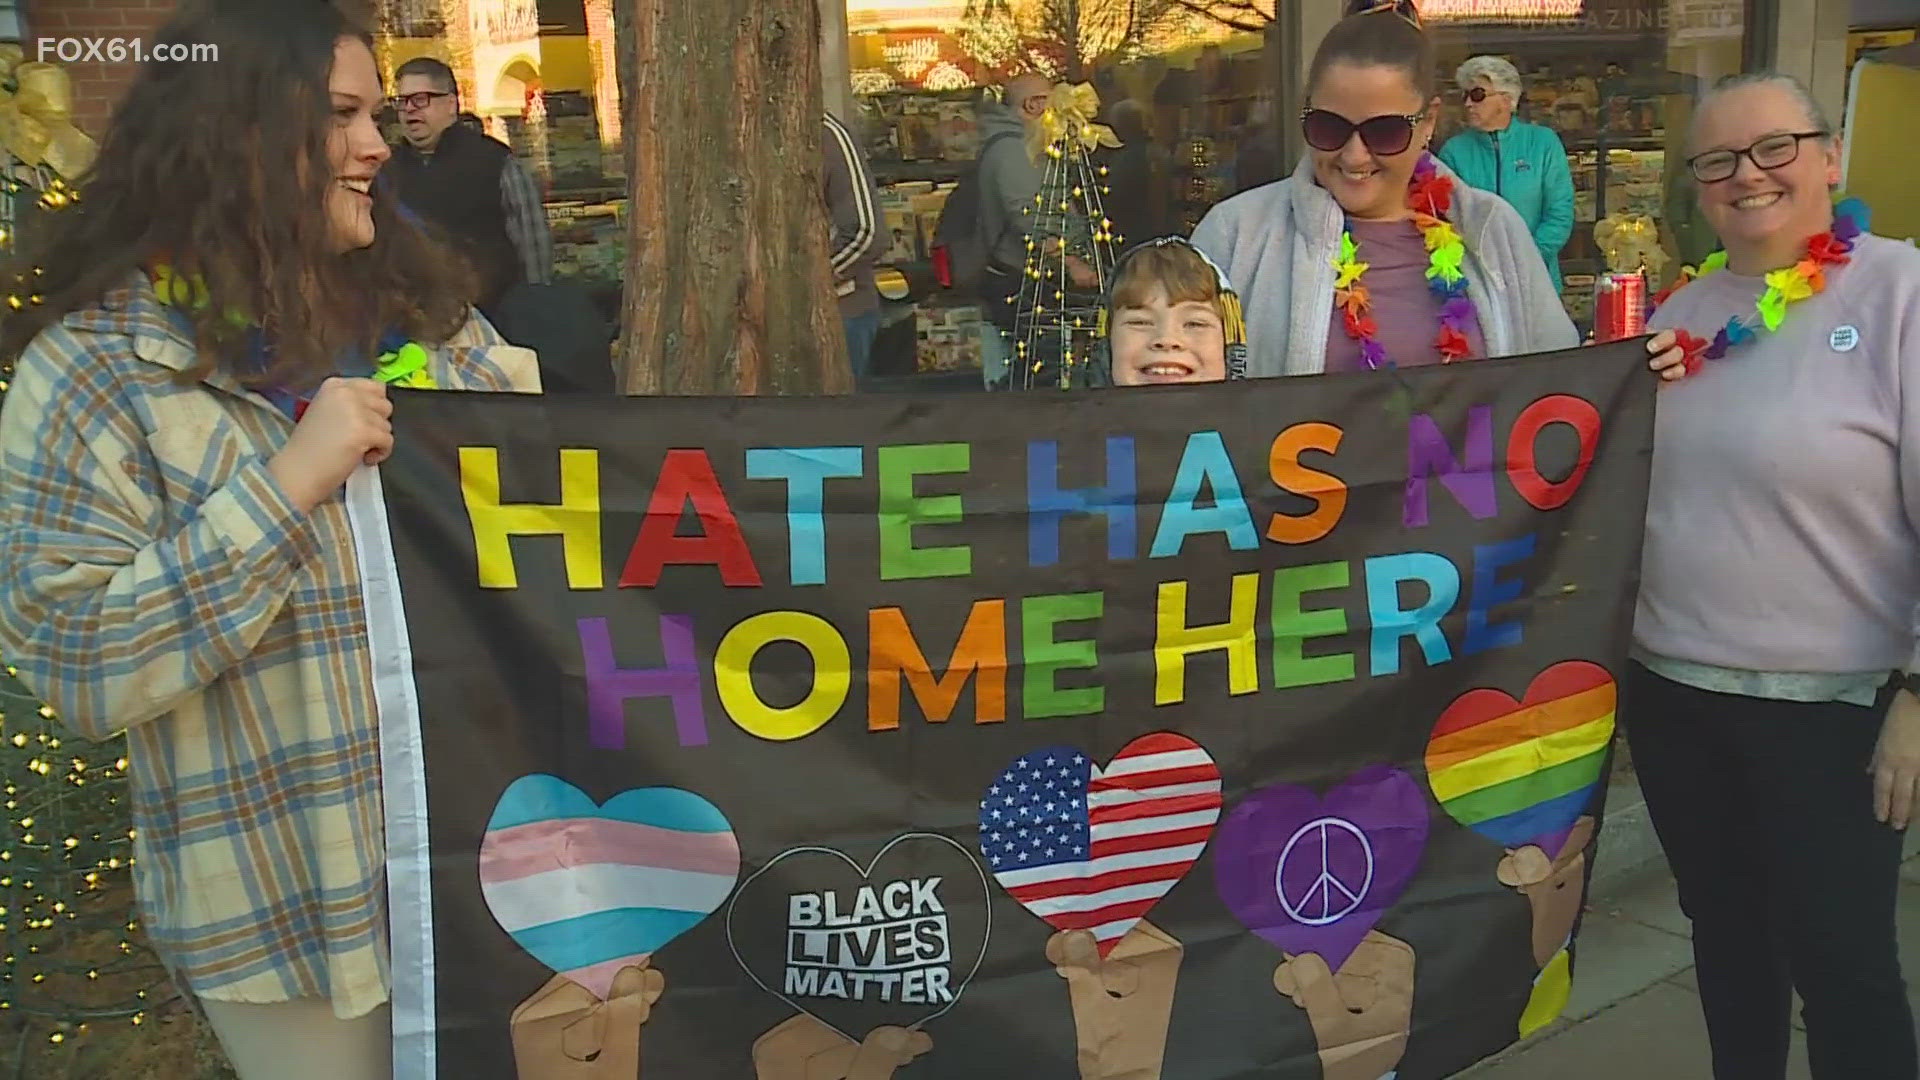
x: 1313, y: 875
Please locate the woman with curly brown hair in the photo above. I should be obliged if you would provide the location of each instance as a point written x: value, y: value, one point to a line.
x: 202, y: 377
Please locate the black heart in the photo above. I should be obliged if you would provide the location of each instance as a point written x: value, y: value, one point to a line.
x: 893, y: 944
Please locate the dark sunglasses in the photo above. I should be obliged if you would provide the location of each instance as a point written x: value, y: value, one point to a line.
x: 418, y: 101
x: 1477, y: 95
x: 1383, y: 135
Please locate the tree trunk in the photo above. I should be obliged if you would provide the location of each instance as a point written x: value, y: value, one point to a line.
x: 728, y: 289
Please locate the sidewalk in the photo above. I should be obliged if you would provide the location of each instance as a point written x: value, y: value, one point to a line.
x: 1635, y: 1010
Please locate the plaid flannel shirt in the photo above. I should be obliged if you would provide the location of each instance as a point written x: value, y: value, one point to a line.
x: 527, y: 227
x: 155, y: 579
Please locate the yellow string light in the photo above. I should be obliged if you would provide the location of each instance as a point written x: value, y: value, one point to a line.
x: 64, y: 855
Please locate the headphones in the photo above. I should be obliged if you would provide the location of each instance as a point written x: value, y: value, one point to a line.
x: 1232, y: 318
x: 1406, y: 9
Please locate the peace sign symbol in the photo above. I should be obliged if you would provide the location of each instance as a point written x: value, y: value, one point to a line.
x: 1330, y: 896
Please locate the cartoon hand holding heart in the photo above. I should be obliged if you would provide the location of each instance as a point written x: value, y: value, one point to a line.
x: 867, y: 954
x: 1313, y: 875
x: 1525, y: 773
x: 593, y: 892
x: 1090, y: 850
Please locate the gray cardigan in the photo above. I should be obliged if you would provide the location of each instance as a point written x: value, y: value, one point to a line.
x: 1277, y: 244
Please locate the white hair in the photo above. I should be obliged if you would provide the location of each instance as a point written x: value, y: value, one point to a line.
x: 1816, y: 116
x: 1499, y: 75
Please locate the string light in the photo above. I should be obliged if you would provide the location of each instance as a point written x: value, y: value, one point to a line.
x: 1054, y: 314
x: 65, y: 926
x: 69, y: 951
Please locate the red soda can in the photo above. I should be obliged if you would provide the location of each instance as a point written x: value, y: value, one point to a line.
x: 942, y: 266
x: 1619, y: 306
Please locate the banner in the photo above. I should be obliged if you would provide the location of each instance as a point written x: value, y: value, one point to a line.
x: 1255, y: 729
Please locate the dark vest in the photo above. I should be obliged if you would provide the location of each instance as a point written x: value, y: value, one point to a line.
x: 457, y: 188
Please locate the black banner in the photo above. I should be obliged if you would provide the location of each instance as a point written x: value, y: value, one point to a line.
x: 1256, y: 729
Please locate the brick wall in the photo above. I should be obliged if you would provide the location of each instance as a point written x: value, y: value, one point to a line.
x: 97, y: 85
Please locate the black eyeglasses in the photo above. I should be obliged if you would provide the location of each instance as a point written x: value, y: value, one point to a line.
x: 1477, y: 95
x: 419, y: 100
x: 1383, y: 135
x: 1772, y: 152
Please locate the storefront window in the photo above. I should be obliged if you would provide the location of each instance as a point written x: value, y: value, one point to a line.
x: 1189, y: 96
x: 1617, y: 80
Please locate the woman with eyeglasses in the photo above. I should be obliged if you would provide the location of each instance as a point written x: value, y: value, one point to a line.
x: 223, y: 312
x: 1523, y: 163
x: 1771, y: 711
x: 1335, y: 260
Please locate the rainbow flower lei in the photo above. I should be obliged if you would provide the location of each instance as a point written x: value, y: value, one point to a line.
x: 1430, y: 197
x: 1803, y: 279
x: 400, y: 363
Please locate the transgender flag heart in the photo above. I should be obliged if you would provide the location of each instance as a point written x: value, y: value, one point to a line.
x: 588, y: 890
x: 1087, y: 848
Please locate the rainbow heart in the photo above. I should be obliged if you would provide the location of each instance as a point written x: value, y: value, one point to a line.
x: 1087, y: 848
x: 1521, y: 772
x: 588, y: 890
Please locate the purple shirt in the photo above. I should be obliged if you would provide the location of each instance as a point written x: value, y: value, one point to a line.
x: 1403, y: 306
x: 1783, y: 525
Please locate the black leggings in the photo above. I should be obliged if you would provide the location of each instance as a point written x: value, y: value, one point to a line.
x: 1765, y: 809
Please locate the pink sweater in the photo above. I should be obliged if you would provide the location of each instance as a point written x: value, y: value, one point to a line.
x: 1783, y: 525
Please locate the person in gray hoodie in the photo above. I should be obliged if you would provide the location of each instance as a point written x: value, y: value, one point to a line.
x: 1372, y: 103
x: 1010, y: 181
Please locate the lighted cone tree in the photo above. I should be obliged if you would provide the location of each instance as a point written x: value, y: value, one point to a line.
x: 1070, y: 248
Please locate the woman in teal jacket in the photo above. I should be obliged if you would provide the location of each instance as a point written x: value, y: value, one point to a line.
x: 1523, y: 163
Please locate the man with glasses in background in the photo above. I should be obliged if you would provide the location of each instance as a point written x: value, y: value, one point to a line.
x: 468, y: 184
x: 1523, y: 163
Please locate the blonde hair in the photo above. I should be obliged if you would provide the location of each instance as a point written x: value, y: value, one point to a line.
x: 1185, y: 275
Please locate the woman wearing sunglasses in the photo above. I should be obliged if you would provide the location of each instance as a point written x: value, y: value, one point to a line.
x: 1523, y: 163
x: 1335, y: 260
x: 1772, y: 711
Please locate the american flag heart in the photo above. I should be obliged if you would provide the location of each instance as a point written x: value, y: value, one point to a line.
x: 1094, y: 849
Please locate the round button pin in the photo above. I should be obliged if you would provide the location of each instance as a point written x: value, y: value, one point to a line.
x: 1844, y: 338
